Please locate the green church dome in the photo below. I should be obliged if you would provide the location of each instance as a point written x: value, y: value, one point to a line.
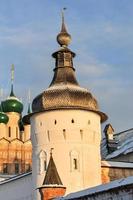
x: 3, y: 117
x: 12, y: 104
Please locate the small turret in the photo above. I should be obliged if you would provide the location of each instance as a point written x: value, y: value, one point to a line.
x: 52, y: 186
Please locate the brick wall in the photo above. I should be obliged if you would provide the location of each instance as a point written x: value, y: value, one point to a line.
x: 51, y: 192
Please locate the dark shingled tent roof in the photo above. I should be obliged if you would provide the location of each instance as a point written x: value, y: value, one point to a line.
x: 52, y: 176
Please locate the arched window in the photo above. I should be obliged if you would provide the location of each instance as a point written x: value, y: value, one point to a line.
x: 42, y: 162
x: 5, y: 168
x: 74, y: 160
x: 16, y: 168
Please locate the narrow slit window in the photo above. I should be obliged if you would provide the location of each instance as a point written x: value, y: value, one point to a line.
x: 16, y: 132
x: 45, y: 165
x: 72, y: 121
x: 89, y: 121
x: 48, y: 135
x: 81, y: 133
x: 64, y: 133
x: 9, y: 133
x: 75, y: 164
x: 74, y: 161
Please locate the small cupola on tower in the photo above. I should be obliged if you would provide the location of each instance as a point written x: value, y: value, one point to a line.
x: 52, y: 185
x: 12, y: 103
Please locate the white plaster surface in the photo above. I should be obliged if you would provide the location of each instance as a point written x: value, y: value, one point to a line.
x: 82, y: 136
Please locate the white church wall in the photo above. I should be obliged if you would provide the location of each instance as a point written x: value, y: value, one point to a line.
x: 75, y: 136
x: 17, y: 188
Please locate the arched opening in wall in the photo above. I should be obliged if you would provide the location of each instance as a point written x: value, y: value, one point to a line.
x: 5, y: 168
x: 42, y: 162
x: 55, y: 122
x: 9, y: 132
x: 72, y: 121
x: 16, y: 168
x: 89, y: 122
x: 74, y: 160
x: 27, y: 167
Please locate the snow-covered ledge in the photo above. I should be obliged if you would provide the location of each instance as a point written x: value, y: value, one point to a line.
x: 105, y: 163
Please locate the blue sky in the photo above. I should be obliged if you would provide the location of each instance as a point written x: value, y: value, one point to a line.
x: 102, y: 38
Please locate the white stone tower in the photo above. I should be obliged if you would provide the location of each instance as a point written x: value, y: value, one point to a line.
x: 66, y: 118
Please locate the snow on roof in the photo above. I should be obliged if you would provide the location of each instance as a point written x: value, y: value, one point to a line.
x: 15, y: 177
x: 125, y: 148
x: 105, y: 163
x: 99, y: 188
x: 126, y: 131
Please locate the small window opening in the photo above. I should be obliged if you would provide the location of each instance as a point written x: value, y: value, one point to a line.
x: 40, y: 123
x: 16, y: 168
x: 72, y: 120
x: 55, y: 122
x: 64, y: 133
x: 48, y: 135
x: 9, y: 133
x: 81, y: 133
x: 75, y: 164
x: 16, y: 132
x: 5, y: 168
x: 27, y: 168
x: 89, y: 121
x: 45, y: 165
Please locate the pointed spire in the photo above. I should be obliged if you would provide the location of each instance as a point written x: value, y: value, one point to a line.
x: 63, y: 27
x: 1, y: 96
x: 29, y: 102
x: 63, y: 38
x: 52, y: 177
x: 12, y: 80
